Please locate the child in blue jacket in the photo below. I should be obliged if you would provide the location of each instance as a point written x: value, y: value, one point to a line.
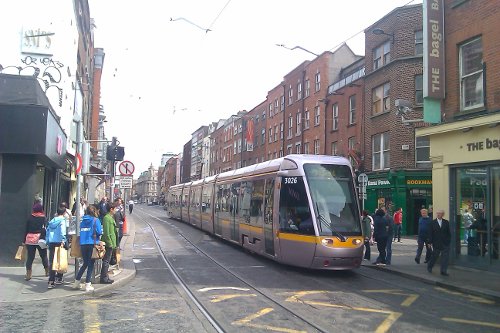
x: 56, y: 236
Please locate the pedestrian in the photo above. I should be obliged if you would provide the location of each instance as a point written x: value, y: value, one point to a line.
x: 423, y: 236
x: 102, y: 207
x: 90, y: 233
x: 390, y: 234
x: 468, y: 220
x: 398, y: 222
x: 130, y: 206
x: 35, y: 230
x: 439, y: 239
x: 56, y: 236
x: 380, y: 234
x: 109, y: 236
x: 68, y: 217
x: 368, y: 233
x: 119, y: 217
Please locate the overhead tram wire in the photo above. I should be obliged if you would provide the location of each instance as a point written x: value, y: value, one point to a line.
x: 217, y: 17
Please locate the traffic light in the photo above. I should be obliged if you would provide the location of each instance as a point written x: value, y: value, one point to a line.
x: 115, y: 153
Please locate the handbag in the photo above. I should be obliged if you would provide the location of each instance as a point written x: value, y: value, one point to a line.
x: 32, y: 238
x: 21, y: 253
x: 42, y: 243
x: 76, y: 249
x: 60, y: 263
x: 98, y: 251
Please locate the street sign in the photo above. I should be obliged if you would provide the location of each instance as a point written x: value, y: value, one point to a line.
x: 126, y: 182
x: 126, y: 168
x: 363, y: 179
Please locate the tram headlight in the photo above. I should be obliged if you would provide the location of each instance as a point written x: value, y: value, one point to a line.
x: 327, y: 241
x: 356, y: 241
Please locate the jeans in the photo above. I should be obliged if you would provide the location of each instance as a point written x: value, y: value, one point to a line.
x: 445, y: 254
x: 367, y: 250
x: 88, y: 263
x: 381, y: 247
x: 31, y: 251
x: 467, y: 234
x: 105, y: 263
x: 397, y: 232
x: 428, y: 251
x: 388, y: 249
x: 53, y: 275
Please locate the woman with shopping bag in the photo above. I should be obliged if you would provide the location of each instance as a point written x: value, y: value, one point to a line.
x: 56, y: 237
x: 90, y: 232
x: 35, y: 231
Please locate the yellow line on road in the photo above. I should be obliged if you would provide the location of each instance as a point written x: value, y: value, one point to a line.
x: 220, y: 298
x: 247, y: 322
x: 471, y: 322
x: 472, y: 298
x: 91, y: 317
x: 407, y: 302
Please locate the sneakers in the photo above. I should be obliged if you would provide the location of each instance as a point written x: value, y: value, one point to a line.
x: 28, y: 275
x: 59, y: 282
x: 89, y: 287
x: 76, y: 285
x: 107, y: 281
x: 51, y: 285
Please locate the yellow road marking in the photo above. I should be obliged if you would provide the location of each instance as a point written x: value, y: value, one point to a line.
x: 471, y: 322
x: 91, y: 318
x: 220, y: 298
x: 382, y: 328
x: 247, y: 322
x: 472, y: 298
x: 407, y: 302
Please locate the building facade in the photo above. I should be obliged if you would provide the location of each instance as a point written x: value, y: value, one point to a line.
x: 147, y: 186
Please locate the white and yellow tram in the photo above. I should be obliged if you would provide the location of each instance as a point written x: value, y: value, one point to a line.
x: 300, y: 210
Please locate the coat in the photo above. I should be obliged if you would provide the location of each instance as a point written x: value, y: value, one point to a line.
x: 424, y: 227
x: 380, y: 226
x: 88, y: 227
x: 36, y: 224
x: 440, y: 237
x: 109, y: 234
x: 56, y: 230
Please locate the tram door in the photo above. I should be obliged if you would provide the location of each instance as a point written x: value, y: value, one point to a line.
x: 268, y: 217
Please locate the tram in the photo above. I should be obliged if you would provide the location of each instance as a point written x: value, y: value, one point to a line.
x: 300, y: 210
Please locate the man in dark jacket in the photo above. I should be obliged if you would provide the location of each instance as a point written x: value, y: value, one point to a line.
x: 380, y: 234
x: 390, y: 234
x: 424, y: 224
x: 439, y: 239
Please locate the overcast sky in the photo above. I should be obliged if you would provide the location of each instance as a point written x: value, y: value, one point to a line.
x: 163, y: 78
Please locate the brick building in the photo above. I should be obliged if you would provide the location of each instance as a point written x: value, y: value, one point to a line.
x: 465, y: 145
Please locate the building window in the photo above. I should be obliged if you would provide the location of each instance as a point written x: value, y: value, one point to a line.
x: 316, y: 115
x: 380, y: 151
x: 276, y: 133
x: 306, y: 119
x: 299, y: 90
x: 276, y: 106
x: 471, y: 74
x: 263, y: 136
x: 263, y: 115
x: 299, y: 118
x: 380, y: 99
x: 335, y: 116
x: 419, y: 42
x: 351, y: 143
x: 317, y: 81
x: 282, y: 103
x: 306, y: 147
x: 290, y: 95
x: 297, y: 148
x: 335, y: 148
x: 352, y: 109
x: 281, y: 152
x: 423, y: 152
x: 282, y: 128
x: 419, y: 89
x: 235, y: 148
x: 382, y: 55
x: 270, y: 134
x: 289, y: 149
x: 308, y: 87
x: 290, y: 126
x: 316, y: 147
x: 270, y: 110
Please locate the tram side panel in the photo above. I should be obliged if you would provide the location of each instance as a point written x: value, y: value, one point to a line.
x: 207, y: 207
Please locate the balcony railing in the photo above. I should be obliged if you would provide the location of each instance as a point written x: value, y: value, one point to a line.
x: 346, y: 81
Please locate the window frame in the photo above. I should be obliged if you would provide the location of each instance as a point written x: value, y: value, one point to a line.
x: 386, y: 99
x: 335, y: 148
x: 298, y: 122
x: 423, y: 164
x: 335, y: 116
x: 317, y: 147
x: 306, y: 119
x: 317, y: 81
x: 419, y: 42
x: 419, y: 90
x: 383, y: 137
x: 382, y: 55
x: 317, y: 115
x: 352, y: 110
x: 463, y: 77
x: 307, y: 88
x: 290, y: 126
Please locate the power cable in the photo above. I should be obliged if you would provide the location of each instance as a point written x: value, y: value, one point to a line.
x: 217, y: 17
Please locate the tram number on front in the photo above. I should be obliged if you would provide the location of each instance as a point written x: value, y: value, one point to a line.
x: 290, y: 180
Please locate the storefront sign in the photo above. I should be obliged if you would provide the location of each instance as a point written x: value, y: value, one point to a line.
x: 482, y: 145
x: 419, y: 182
x: 37, y: 41
x: 434, y: 49
x: 378, y: 182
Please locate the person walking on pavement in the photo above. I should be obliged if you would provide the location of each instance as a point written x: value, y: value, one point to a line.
x: 90, y: 232
x: 56, y: 236
x: 119, y: 217
x: 368, y: 233
x: 130, y: 206
x: 390, y: 234
x: 103, y: 208
x: 398, y: 222
x: 35, y: 230
x: 424, y: 223
x: 380, y: 234
x: 439, y: 239
x: 109, y: 236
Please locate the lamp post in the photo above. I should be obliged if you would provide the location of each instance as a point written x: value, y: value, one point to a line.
x: 378, y: 32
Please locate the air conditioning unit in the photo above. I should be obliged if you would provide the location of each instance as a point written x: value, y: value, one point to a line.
x: 405, y: 147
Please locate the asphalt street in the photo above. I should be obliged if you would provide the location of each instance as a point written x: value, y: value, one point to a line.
x: 246, y: 293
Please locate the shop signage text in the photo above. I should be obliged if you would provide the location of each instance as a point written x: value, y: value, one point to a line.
x: 434, y: 49
x: 378, y: 182
x: 482, y: 145
x: 419, y: 182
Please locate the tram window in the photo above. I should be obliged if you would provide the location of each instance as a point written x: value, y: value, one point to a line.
x: 268, y: 208
x: 295, y: 216
x: 257, y: 202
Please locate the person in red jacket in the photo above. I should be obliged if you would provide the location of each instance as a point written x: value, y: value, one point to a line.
x: 398, y: 222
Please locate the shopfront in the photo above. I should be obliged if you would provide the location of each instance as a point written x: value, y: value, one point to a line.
x: 408, y: 189
x: 32, y: 153
x: 466, y: 165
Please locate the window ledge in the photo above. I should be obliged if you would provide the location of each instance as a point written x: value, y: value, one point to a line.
x: 474, y: 112
x: 380, y: 114
x: 351, y: 125
x: 334, y: 130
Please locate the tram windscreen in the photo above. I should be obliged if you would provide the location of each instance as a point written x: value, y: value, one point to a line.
x: 334, y: 199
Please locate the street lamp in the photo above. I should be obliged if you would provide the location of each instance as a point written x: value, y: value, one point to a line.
x: 378, y: 32
x: 296, y: 47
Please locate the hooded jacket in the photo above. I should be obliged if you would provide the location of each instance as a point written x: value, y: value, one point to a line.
x: 88, y: 227
x: 56, y: 230
x: 380, y: 226
x: 109, y: 234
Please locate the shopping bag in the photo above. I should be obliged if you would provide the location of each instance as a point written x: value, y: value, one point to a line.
x: 98, y: 251
x: 118, y: 255
x: 21, y: 252
x: 60, y: 263
x: 76, y: 250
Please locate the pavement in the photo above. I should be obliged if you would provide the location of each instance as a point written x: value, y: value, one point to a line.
x: 13, y: 287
